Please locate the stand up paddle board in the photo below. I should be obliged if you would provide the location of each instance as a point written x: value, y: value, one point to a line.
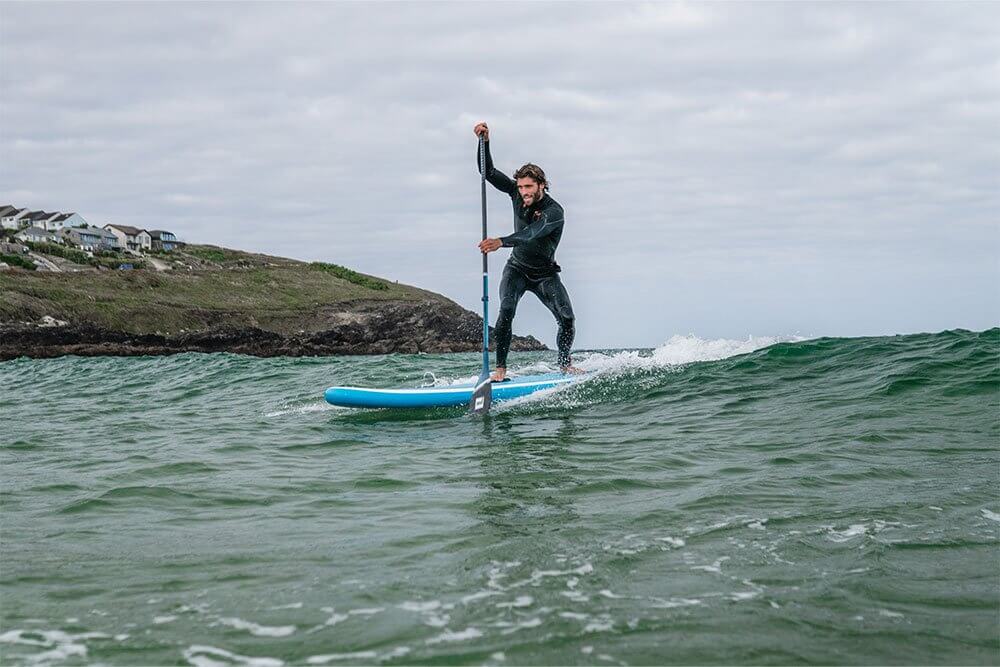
x: 445, y: 396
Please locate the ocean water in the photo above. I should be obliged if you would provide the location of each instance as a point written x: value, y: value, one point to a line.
x: 832, y: 501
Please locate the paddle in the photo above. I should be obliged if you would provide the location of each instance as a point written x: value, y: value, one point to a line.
x: 483, y: 395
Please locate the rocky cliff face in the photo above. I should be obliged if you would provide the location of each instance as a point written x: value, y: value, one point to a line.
x: 359, y: 327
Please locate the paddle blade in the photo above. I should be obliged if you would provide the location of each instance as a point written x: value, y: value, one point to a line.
x: 482, y: 396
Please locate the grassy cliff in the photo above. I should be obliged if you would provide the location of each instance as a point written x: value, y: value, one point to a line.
x: 200, y: 287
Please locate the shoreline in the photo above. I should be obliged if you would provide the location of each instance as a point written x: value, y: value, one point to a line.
x: 52, y: 338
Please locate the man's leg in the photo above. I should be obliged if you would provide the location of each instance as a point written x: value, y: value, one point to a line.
x: 512, y: 287
x: 553, y: 294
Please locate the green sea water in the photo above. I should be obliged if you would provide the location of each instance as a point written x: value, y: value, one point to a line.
x: 825, y: 501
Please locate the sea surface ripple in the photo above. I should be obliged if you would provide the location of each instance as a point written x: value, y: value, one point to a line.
x: 764, y: 501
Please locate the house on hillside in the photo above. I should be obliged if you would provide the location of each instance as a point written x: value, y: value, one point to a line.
x: 46, y: 221
x: 32, y: 218
x: 131, y: 238
x: 87, y: 238
x: 108, y: 240
x: 65, y: 220
x: 10, y: 217
x: 163, y: 240
x: 36, y: 235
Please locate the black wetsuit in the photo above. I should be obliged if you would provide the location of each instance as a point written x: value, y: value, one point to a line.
x: 531, y: 266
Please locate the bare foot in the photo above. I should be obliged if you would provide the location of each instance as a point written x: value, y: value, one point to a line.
x: 571, y: 370
x: 499, y: 375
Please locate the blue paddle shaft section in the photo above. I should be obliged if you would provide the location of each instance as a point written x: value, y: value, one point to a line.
x: 442, y: 397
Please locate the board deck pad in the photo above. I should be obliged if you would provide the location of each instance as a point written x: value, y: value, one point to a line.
x: 443, y: 396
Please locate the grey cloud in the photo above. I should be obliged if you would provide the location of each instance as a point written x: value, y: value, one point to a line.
x: 688, y: 143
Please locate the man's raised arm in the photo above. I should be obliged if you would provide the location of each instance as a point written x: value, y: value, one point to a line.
x: 496, y: 178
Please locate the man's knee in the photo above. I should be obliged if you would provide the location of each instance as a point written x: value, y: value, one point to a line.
x: 507, y: 310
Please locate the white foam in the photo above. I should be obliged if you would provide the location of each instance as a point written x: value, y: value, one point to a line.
x: 334, y: 618
x: 159, y: 620
x: 602, y: 625
x: 680, y: 350
x: 992, y: 516
x: 714, y: 567
x: 889, y: 614
x: 540, y: 396
x: 294, y: 605
x: 420, y: 606
x: 202, y: 656
x: 520, y: 601
x: 258, y: 630
x: 449, y: 636
x: 530, y: 623
x: 743, y: 595
x: 478, y: 596
x: 537, y: 575
x: 574, y: 615
x: 675, y: 541
x: 370, y: 611
x: 675, y: 602
x: 848, y: 533
x: 199, y: 608
x: 436, y: 620
x: 575, y: 596
x: 61, y: 645
x: 331, y: 657
x: 303, y: 410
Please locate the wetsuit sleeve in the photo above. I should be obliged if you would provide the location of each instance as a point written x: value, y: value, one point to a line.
x: 496, y: 178
x: 549, y: 222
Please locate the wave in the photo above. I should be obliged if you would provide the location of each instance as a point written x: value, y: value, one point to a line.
x: 950, y: 363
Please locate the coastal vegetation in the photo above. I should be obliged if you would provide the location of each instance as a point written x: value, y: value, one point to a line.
x: 203, y: 286
x: 17, y: 260
x: 99, y: 258
x: 350, y: 276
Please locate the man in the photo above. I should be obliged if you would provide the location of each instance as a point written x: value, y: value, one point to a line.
x: 538, y: 226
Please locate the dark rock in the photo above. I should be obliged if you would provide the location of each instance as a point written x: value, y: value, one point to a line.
x: 361, y: 327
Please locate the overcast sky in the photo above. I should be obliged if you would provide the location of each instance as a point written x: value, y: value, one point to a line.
x: 726, y: 169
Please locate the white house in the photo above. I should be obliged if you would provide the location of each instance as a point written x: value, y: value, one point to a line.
x: 36, y: 219
x: 10, y: 217
x: 63, y: 220
x: 131, y: 238
x: 35, y: 235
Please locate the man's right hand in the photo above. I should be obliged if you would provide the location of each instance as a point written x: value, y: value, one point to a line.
x: 482, y: 129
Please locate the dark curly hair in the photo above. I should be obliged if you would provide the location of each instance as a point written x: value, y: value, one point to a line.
x: 534, y: 172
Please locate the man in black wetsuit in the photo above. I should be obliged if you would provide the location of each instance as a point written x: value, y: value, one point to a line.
x: 538, y: 226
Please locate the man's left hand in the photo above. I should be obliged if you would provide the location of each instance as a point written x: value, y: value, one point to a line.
x: 489, y: 245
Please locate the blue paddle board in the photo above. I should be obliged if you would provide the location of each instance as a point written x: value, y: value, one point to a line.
x: 445, y: 396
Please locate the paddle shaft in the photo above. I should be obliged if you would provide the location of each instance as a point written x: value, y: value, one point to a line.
x: 486, y: 291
